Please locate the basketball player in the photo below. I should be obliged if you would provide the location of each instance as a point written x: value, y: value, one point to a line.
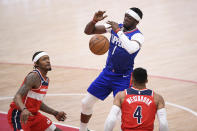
x: 125, y: 43
x: 139, y: 106
x: 24, y: 114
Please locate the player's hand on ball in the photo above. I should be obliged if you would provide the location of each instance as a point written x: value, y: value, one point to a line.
x: 61, y: 116
x: 114, y: 25
x: 98, y: 16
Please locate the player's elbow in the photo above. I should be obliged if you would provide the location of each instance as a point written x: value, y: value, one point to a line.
x: 87, y: 32
x: 17, y: 97
x: 133, y: 48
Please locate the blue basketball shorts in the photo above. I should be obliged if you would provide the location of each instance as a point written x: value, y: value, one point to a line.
x: 108, y: 81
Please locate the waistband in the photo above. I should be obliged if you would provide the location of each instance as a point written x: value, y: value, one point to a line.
x: 118, y: 71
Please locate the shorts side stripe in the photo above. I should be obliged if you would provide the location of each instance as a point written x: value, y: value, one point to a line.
x: 16, y: 120
x: 13, y: 120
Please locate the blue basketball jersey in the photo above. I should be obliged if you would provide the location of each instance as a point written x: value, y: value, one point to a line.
x: 116, y: 76
x: 118, y: 58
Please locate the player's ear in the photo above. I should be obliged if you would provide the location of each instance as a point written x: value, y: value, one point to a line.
x: 146, y: 81
x: 36, y: 64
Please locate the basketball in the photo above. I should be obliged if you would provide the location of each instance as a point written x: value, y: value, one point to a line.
x: 99, y: 44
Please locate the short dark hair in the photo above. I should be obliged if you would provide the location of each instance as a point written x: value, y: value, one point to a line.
x: 35, y: 54
x: 138, y: 11
x: 140, y: 75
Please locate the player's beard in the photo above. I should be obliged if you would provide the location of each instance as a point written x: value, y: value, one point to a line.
x: 129, y: 26
x: 126, y: 27
x: 49, y: 69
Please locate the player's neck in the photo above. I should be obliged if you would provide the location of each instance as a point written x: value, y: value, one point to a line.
x: 43, y: 72
x: 139, y: 86
x: 129, y: 29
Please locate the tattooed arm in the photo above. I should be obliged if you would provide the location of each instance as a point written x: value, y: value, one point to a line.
x: 32, y: 81
x: 48, y: 110
x: 60, y: 116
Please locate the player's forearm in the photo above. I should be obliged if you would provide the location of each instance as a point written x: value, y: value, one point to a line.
x: 163, y: 123
x: 18, y: 101
x: 111, y: 119
x: 48, y: 110
x: 90, y: 27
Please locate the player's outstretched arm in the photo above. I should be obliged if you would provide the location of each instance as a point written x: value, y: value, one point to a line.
x: 161, y: 114
x: 91, y: 27
x: 60, y: 116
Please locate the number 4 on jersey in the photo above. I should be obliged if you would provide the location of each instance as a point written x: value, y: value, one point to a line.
x: 138, y: 114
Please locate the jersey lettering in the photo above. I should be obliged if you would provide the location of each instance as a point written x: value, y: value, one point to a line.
x: 138, y: 114
x: 115, y: 40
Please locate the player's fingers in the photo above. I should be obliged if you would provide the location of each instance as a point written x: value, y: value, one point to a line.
x: 22, y: 119
x: 25, y: 121
x: 62, y: 119
x: 104, y: 16
x: 109, y: 22
x: 25, y: 118
x: 103, y: 12
x: 31, y: 114
x: 99, y: 12
x: 64, y: 116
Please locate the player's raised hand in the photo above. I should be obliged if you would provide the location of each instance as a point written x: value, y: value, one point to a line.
x: 114, y: 25
x: 61, y: 116
x: 98, y: 16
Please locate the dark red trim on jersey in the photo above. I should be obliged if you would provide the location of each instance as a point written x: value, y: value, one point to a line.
x: 130, y: 85
x: 131, y: 31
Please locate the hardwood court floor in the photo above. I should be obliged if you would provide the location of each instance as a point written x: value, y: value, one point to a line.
x: 56, y: 26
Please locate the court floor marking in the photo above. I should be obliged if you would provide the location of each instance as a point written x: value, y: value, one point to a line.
x: 84, y: 68
x: 78, y: 94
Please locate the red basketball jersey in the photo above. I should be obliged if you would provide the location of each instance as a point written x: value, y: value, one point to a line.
x: 34, y: 97
x: 138, y: 110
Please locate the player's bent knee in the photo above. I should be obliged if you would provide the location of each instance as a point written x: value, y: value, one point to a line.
x: 86, y: 107
x: 88, y: 103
